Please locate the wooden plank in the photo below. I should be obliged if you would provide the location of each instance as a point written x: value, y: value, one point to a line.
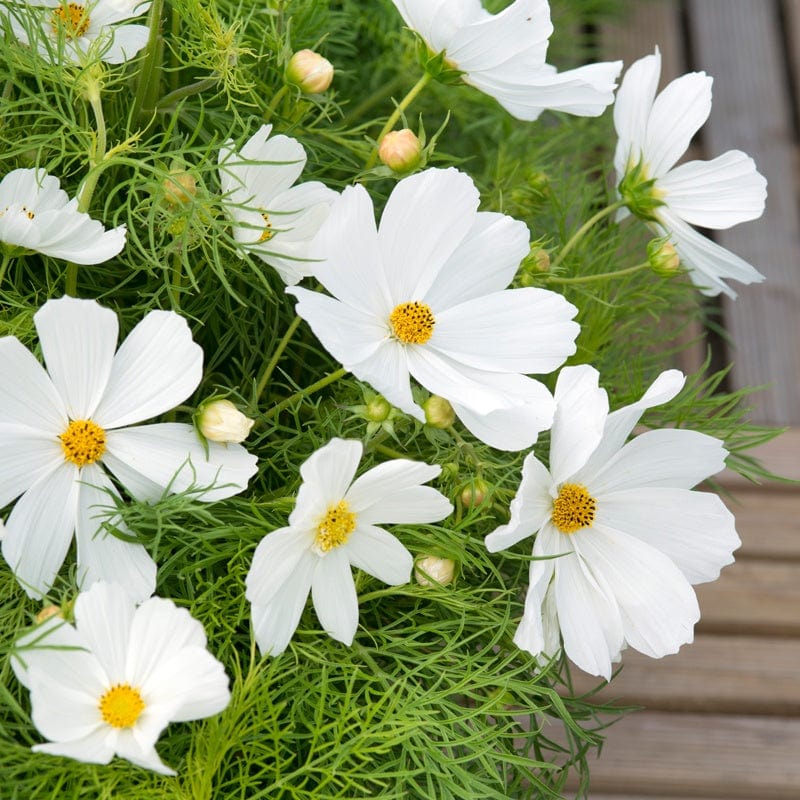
x: 768, y: 523
x: 699, y: 755
x: 791, y: 20
x: 739, y: 42
x: 752, y: 597
x: 781, y: 456
x: 715, y: 674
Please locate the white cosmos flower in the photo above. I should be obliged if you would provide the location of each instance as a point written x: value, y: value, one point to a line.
x: 61, y: 429
x: 36, y: 215
x: 654, y: 132
x: 90, y: 27
x: 333, y: 526
x: 272, y: 218
x: 504, y: 56
x: 109, y: 684
x: 620, y: 537
x: 425, y: 295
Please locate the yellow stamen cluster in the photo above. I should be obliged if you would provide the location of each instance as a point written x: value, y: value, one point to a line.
x: 335, y: 527
x: 121, y: 706
x: 412, y: 323
x: 573, y: 509
x: 268, y: 232
x: 72, y: 19
x: 83, y: 442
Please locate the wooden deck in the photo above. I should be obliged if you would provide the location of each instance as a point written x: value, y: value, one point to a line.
x: 722, y: 718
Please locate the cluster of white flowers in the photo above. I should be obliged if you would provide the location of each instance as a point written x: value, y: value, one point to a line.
x: 424, y: 294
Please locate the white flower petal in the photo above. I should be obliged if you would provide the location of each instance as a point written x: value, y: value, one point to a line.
x: 170, y: 454
x: 103, y: 618
x: 438, y: 20
x: 275, y: 623
x: 485, y: 261
x: 709, y: 264
x: 128, y: 41
x: 157, y: 367
x: 516, y: 330
x: 348, y: 255
x: 61, y: 710
x: 535, y: 633
x: 25, y: 457
x: 413, y: 250
x: 78, y: 339
x: 279, y: 161
x: 718, y: 193
x: 129, y: 747
x: 587, y: 614
x: 621, y: 422
x: 30, y: 400
x: 390, y: 493
x: 632, y: 108
x: 580, y: 417
x: 39, y: 530
x: 669, y: 457
x: 677, y: 114
x: 274, y: 563
x: 74, y: 236
x: 694, y: 529
x: 530, y: 508
x: 658, y: 606
x: 101, y: 554
x: 327, y: 472
x: 333, y: 593
x: 510, y: 429
x: 136, y: 484
x: 380, y: 554
x: 93, y: 749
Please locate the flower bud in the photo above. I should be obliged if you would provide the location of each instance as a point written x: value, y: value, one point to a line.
x: 430, y: 569
x: 221, y: 421
x: 474, y: 494
x: 438, y: 412
x: 378, y: 409
x: 401, y: 151
x: 47, y: 612
x: 309, y: 71
x: 663, y: 257
x: 179, y: 188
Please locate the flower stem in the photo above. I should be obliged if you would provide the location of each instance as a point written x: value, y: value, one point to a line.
x: 355, y: 114
x: 273, y: 104
x: 172, y: 98
x: 587, y: 226
x: 150, y: 74
x: 600, y: 276
x: 273, y: 362
x: 4, y: 265
x: 401, y: 107
x: 315, y: 387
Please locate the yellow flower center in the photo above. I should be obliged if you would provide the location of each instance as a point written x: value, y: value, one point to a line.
x: 83, y: 442
x: 71, y: 18
x: 335, y: 527
x: 268, y: 233
x: 412, y: 323
x: 121, y: 705
x: 574, y: 508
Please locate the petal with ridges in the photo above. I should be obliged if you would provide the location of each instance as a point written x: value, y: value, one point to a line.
x: 380, y: 554
x: 274, y: 563
x: 333, y: 593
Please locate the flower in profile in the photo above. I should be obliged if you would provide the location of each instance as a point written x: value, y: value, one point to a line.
x: 654, y: 132
x: 425, y: 296
x: 504, y: 56
x: 620, y: 536
x: 87, y: 29
x: 272, y: 218
x: 62, y: 428
x: 334, y: 525
x: 109, y: 684
x: 37, y: 216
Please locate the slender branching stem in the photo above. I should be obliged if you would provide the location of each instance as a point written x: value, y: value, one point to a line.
x: 585, y: 228
x: 276, y: 355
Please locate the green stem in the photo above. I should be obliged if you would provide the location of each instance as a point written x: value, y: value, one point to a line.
x: 273, y: 362
x: 315, y: 387
x: 4, y: 265
x: 402, y: 106
x: 150, y: 74
x: 273, y: 104
x: 177, y: 280
x: 588, y: 225
x: 376, y: 97
x: 172, y: 98
x: 600, y: 276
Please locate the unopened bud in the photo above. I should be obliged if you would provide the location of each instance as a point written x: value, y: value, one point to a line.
x: 663, y: 257
x: 309, y: 71
x: 47, y: 612
x: 221, y: 421
x: 432, y: 570
x: 179, y: 188
x: 400, y: 150
x: 378, y: 409
x: 438, y: 412
x: 475, y: 494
